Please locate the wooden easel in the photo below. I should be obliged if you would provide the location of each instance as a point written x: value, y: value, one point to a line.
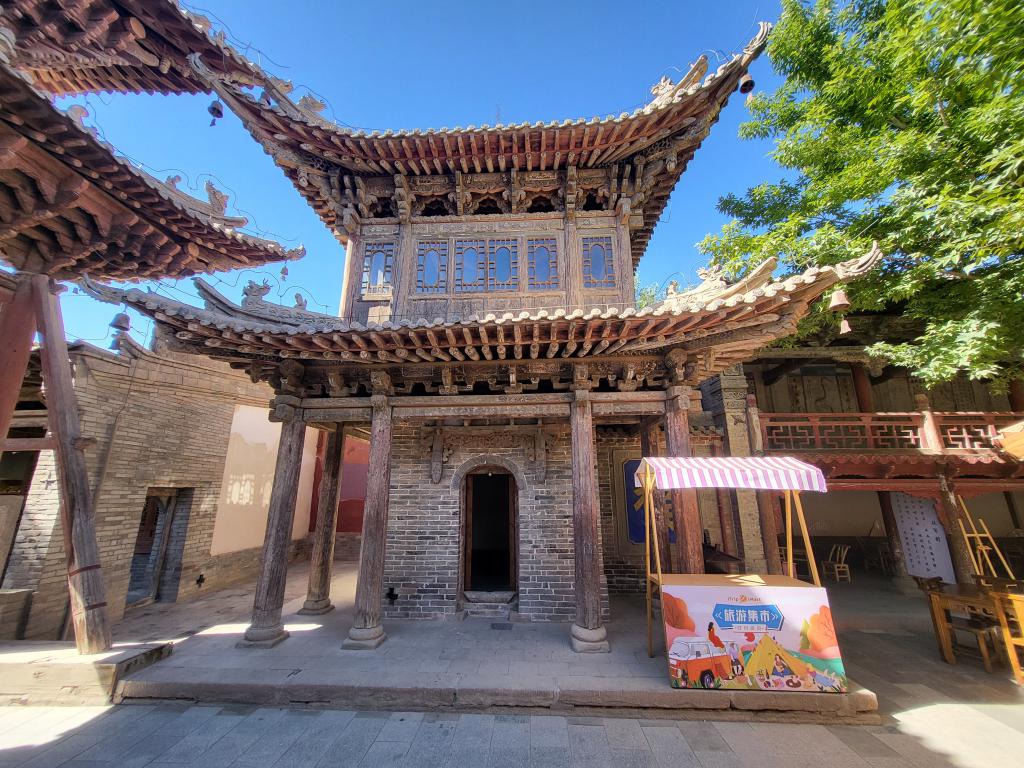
x: 980, y: 543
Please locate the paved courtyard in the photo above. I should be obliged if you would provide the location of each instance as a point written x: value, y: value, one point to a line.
x: 932, y: 714
x: 131, y: 736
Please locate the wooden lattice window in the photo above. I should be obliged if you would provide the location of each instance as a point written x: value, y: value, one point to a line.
x: 502, y: 265
x: 543, y: 264
x: 432, y: 267
x: 378, y: 264
x: 470, y: 265
x: 598, y: 263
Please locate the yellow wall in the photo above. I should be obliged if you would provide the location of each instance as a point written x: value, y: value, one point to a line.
x: 248, y: 479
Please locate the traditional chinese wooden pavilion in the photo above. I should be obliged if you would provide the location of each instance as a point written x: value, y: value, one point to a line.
x: 69, y: 208
x: 486, y: 335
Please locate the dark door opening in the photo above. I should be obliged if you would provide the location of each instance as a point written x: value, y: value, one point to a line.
x: 490, y: 532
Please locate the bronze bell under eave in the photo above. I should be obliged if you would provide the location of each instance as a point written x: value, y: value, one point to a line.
x: 121, y: 322
x: 746, y: 83
x: 216, y: 109
x: 839, y: 301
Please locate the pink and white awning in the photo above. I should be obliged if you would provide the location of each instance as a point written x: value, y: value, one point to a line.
x: 762, y: 473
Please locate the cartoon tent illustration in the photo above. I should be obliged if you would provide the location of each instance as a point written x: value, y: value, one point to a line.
x: 762, y: 659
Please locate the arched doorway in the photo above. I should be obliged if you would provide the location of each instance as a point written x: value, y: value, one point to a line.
x: 490, y: 525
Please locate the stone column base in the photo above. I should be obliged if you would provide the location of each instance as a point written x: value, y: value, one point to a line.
x: 316, y: 607
x: 589, y: 640
x: 364, y: 638
x: 262, y: 637
x: 905, y: 585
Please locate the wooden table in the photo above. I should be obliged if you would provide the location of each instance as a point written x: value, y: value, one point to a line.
x: 955, y: 597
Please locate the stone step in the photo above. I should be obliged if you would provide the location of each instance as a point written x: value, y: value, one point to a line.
x: 488, y: 610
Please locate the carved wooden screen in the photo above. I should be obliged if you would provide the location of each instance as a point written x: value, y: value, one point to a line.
x: 542, y: 257
x: 470, y: 265
x: 432, y: 267
x: 378, y: 263
x: 598, y: 264
x: 502, y: 265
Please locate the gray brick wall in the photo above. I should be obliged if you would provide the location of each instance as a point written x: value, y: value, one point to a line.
x: 158, y: 420
x: 425, y: 522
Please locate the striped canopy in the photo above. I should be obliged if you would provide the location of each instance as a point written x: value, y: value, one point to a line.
x: 763, y: 473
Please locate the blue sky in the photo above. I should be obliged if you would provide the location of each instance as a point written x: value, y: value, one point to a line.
x: 407, y: 64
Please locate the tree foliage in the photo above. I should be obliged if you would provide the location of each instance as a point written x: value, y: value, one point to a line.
x: 900, y: 121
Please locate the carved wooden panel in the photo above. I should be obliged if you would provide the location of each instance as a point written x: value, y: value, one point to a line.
x: 502, y: 265
x: 378, y: 266
x: 598, y: 263
x: 470, y: 265
x: 542, y: 258
x: 432, y: 267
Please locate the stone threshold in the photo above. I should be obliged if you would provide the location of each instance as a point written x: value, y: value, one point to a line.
x: 591, y: 696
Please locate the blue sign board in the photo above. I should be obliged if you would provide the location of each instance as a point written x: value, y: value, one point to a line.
x: 764, y: 617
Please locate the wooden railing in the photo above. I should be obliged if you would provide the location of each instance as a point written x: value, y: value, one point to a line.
x: 913, y: 431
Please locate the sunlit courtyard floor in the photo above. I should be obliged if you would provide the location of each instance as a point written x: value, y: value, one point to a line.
x: 933, y: 714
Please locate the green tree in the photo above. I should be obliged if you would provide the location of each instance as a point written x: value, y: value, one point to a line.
x: 900, y: 121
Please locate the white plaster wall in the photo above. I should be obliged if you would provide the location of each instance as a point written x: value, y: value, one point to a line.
x: 843, y: 513
x: 241, y: 520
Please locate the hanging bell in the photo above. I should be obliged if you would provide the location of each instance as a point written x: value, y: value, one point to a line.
x: 216, y: 109
x: 839, y: 301
x: 121, y: 322
x: 844, y: 327
x: 284, y: 272
x: 746, y: 83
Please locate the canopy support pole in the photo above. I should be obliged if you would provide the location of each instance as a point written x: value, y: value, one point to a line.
x: 811, y: 563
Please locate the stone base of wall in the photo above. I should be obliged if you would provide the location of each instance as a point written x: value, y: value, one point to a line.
x: 346, y: 547
x: 14, y: 608
x: 230, y: 568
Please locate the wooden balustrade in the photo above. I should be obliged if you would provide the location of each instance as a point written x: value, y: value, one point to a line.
x: 895, y: 432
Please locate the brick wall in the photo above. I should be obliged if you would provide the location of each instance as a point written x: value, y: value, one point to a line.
x: 158, y: 420
x: 425, y: 522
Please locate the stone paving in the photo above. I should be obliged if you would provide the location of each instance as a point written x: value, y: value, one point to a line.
x: 933, y: 714
x: 132, y: 736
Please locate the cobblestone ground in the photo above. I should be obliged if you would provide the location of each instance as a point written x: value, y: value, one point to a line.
x: 131, y: 736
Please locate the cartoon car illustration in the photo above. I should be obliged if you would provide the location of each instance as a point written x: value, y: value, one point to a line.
x: 697, y: 660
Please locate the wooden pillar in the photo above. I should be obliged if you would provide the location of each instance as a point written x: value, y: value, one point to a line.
x: 266, y: 629
x: 725, y: 512
x: 367, y: 631
x: 950, y: 515
x: 862, y: 388
x: 1016, y: 395
x: 901, y: 580
x: 17, y: 327
x: 85, y: 579
x: 689, y: 554
x: 321, y: 557
x: 769, y: 513
x: 588, y: 632
x: 650, y: 445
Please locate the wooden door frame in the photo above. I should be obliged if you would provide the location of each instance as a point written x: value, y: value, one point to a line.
x: 466, y: 527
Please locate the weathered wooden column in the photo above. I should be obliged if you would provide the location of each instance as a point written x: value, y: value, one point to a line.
x: 17, y: 327
x: 866, y: 404
x: 367, y: 632
x: 266, y: 629
x: 950, y: 514
x: 321, y: 557
x: 650, y: 445
x: 725, y: 512
x: 588, y: 632
x: 767, y: 501
x: 689, y: 554
x: 77, y: 516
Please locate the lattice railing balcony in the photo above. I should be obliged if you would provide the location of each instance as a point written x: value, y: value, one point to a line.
x: 972, y: 431
x: 897, y: 432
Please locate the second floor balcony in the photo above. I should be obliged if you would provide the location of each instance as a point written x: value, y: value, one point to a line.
x: 920, y: 432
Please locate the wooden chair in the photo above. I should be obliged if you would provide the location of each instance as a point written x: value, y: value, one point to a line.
x: 985, y: 632
x: 1010, y: 611
x: 835, y: 567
